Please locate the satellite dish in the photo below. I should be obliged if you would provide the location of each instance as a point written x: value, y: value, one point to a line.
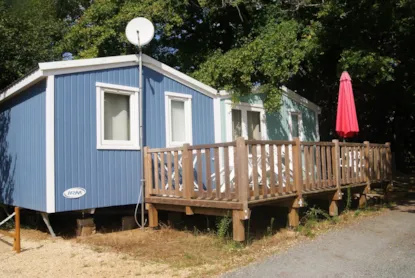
x: 139, y: 31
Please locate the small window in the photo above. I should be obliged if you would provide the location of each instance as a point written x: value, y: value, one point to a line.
x: 295, y: 123
x: 178, y: 119
x: 254, y: 125
x: 236, y: 123
x: 117, y: 117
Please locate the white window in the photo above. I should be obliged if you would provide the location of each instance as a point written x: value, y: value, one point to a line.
x: 178, y: 119
x: 236, y: 123
x: 117, y: 117
x: 295, y: 124
x: 246, y: 120
x: 254, y: 125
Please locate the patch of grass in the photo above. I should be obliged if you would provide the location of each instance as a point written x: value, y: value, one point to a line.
x: 312, y: 218
x: 348, y: 199
x: 222, y: 225
x: 195, y: 253
x: 270, y: 228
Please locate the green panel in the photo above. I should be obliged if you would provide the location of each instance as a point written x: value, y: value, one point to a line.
x: 277, y: 122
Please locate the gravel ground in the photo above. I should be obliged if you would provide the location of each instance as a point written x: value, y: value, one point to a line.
x: 383, y: 246
x: 63, y: 258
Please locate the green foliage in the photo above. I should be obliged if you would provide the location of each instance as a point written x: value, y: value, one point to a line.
x: 222, y: 225
x: 311, y: 218
x: 29, y: 30
x: 270, y: 228
x: 269, y: 61
x: 348, y: 199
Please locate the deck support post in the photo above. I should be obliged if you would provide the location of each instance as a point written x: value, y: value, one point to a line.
x: 334, y: 208
x: 293, y: 217
x: 238, y: 224
x: 153, y: 216
x: 294, y: 212
x: 362, y: 201
x: 16, y: 242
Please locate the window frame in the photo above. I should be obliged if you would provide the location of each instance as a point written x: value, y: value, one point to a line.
x: 244, y: 108
x: 187, y: 100
x: 300, y: 124
x: 133, y: 93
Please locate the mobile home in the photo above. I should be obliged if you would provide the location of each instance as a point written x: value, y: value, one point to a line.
x: 70, y: 130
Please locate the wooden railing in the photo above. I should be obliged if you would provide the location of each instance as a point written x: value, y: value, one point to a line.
x: 250, y: 170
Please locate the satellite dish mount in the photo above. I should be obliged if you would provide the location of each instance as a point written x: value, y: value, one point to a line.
x: 139, y: 32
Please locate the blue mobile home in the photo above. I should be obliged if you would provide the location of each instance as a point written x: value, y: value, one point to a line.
x: 72, y: 127
x: 69, y: 130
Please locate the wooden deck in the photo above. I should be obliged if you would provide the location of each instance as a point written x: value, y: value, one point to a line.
x: 233, y: 177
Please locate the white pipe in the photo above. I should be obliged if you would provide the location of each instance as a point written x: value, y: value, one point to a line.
x: 140, y: 85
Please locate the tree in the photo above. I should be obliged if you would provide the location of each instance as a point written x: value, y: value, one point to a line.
x: 30, y: 31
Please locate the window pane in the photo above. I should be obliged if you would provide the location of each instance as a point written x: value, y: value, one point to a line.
x: 254, y: 125
x: 236, y: 124
x: 295, y: 132
x: 178, y: 124
x: 116, y: 117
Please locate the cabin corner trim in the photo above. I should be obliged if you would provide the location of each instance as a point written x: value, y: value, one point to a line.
x: 50, y: 144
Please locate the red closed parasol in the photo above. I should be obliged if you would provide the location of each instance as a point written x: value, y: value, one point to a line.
x: 346, y: 122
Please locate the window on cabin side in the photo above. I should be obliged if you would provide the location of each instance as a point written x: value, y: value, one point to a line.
x: 178, y: 119
x: 178, y: 128
x: 254, y: 125
x: 295, y: 123
x: 117, y: 117
x: 236, y: 123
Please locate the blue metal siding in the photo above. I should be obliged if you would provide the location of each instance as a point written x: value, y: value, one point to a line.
x: 154, y: 86
x: 111, y: 177
x: 23, y: 149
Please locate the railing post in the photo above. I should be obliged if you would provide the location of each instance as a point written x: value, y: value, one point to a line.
x: 389, y: 169
x: 148, y: 182
x: 298, y: 169
x: 336, y: 165
x: 334, y: 206
x: 243, y: 179
x: 367, y: 165
x: 389, y: 161
x: 362, y: 199
x: 238, y: 217
x: 187, y: 172
x: 294, y: 205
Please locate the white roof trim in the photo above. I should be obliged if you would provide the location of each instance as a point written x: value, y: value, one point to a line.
x: 294, y: 96
x: 82, y: 65
x: 291, y: 94
x: 31, y: 79
x: 178, y: 76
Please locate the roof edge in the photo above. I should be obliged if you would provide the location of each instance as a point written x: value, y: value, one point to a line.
x: 82, y: 65
x: 289, y: 93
